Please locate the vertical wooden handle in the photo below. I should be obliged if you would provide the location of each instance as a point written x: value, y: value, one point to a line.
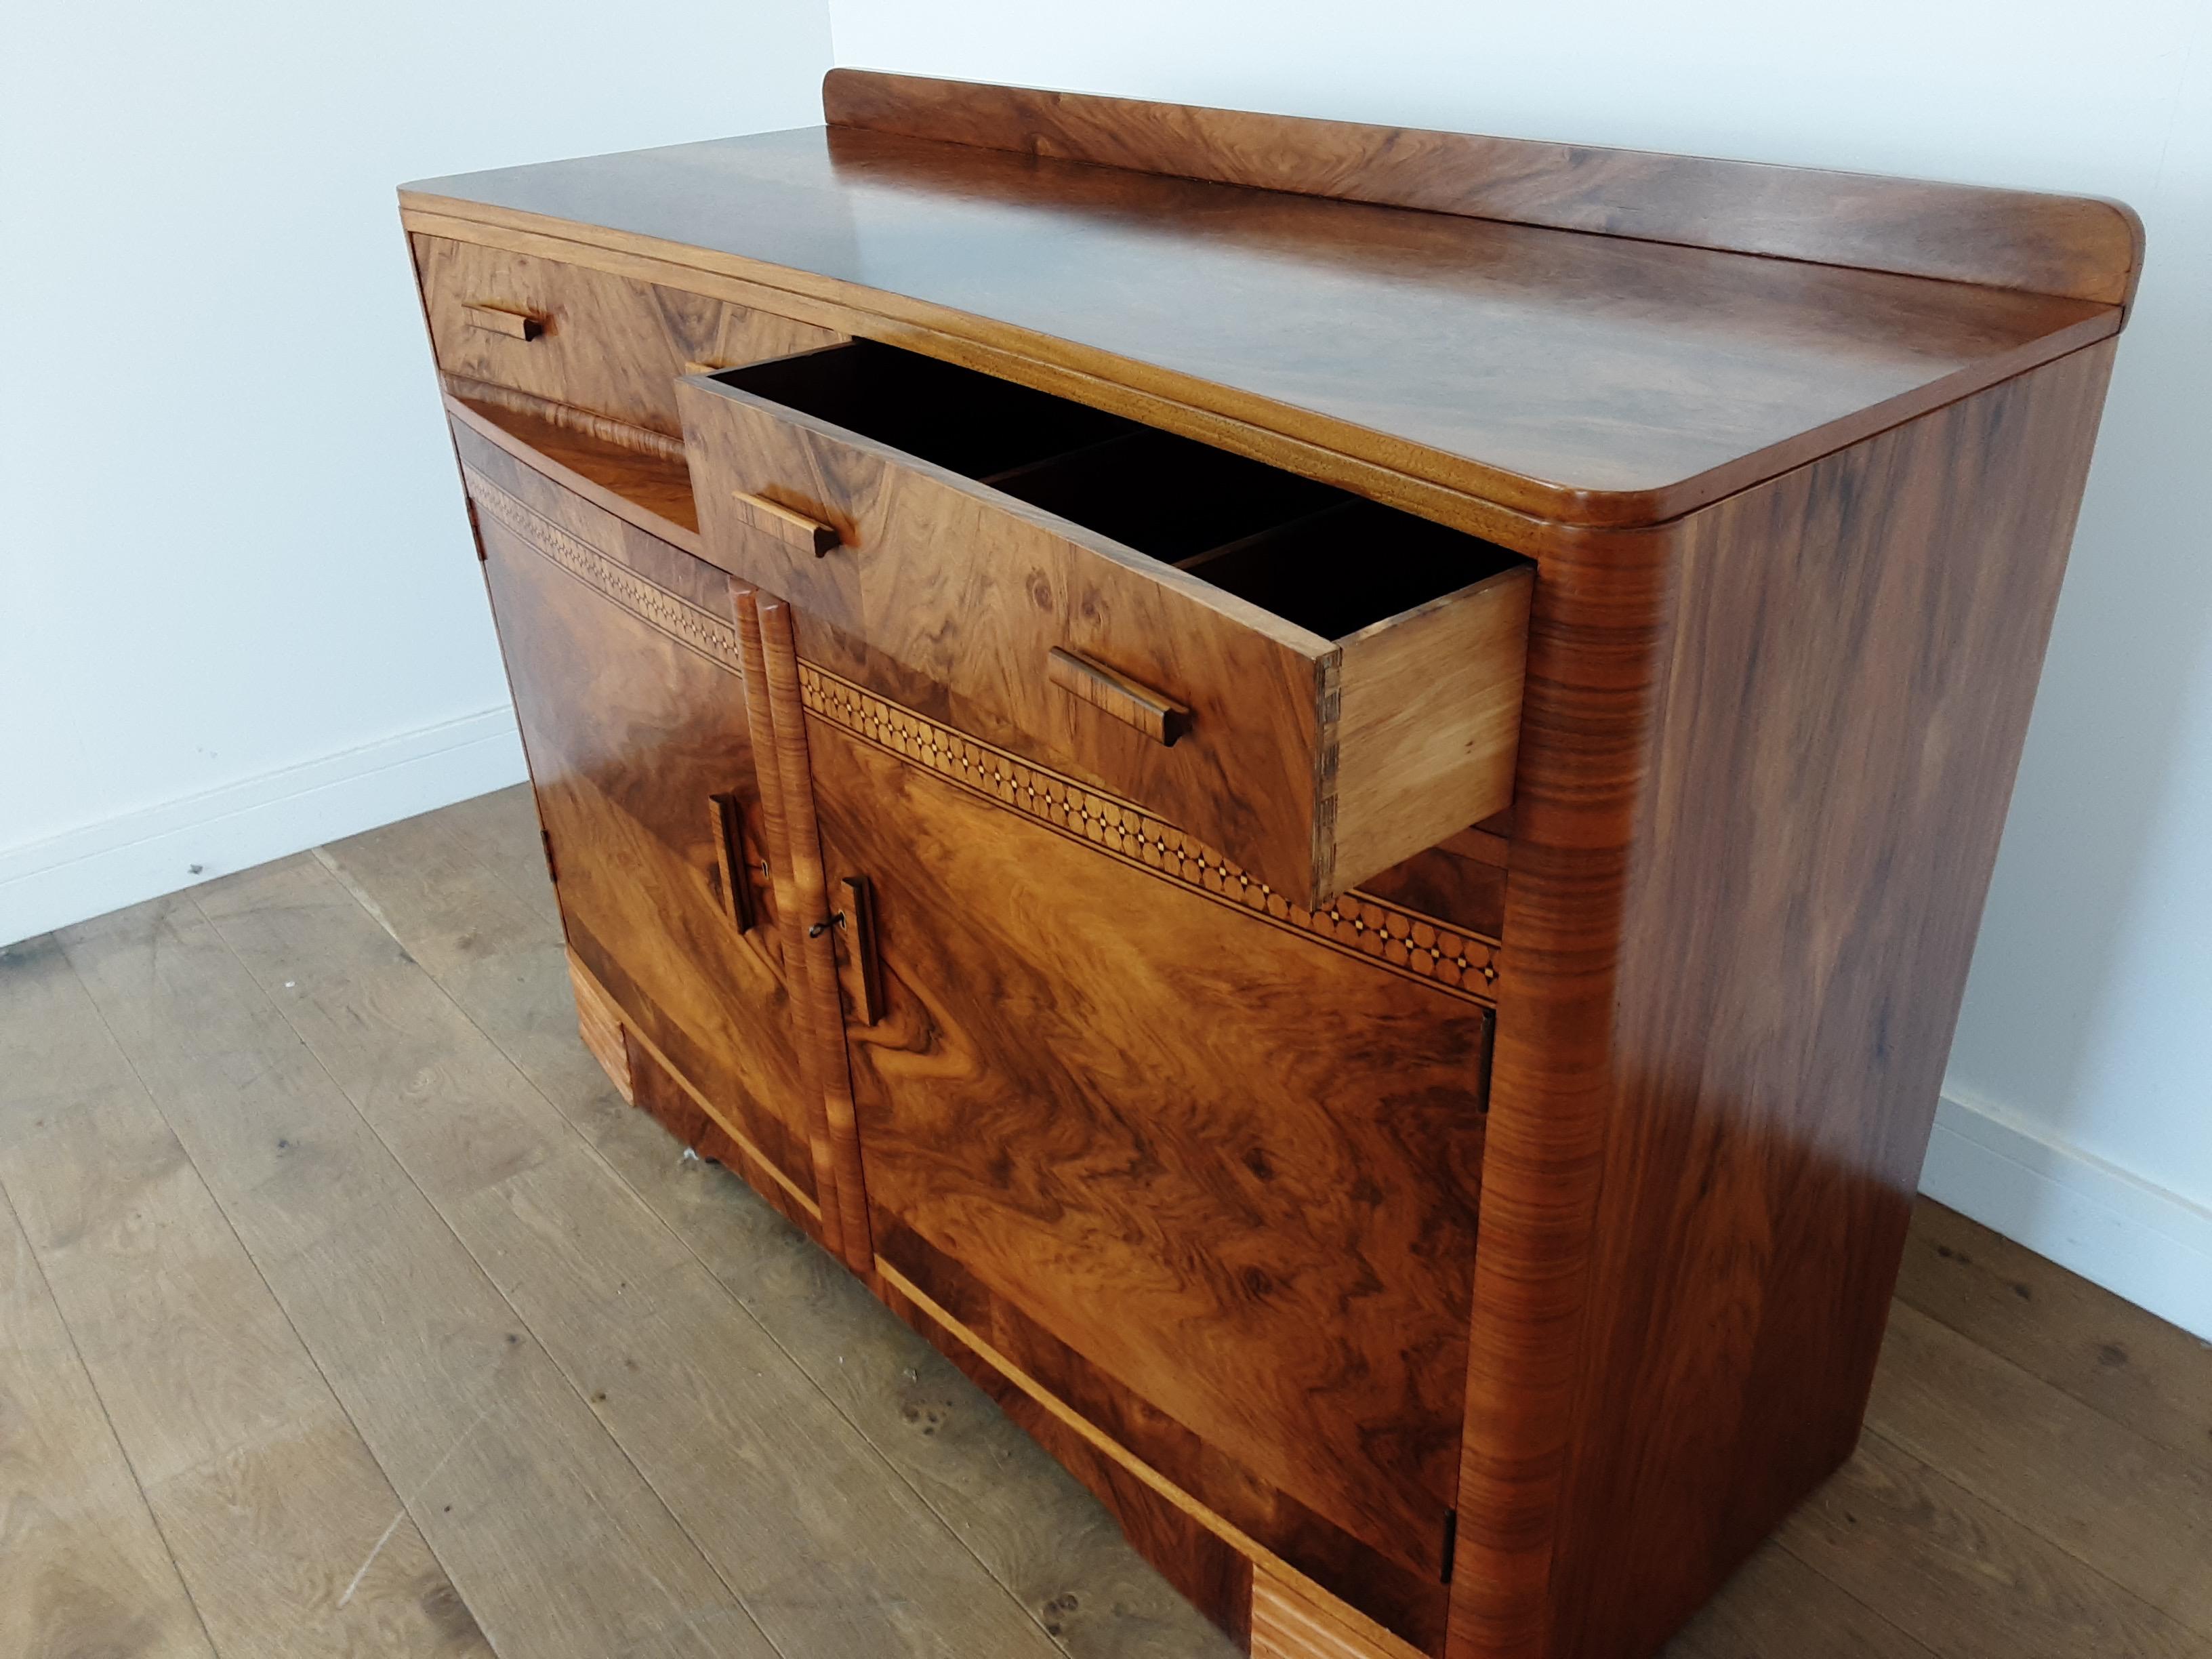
x: 788, y: 928
x: 510, y: 321
x: 859, y: 969
x: 1158, y: 716
x: 727, y: 816
x: 819, y: 953
x: 774, y: 518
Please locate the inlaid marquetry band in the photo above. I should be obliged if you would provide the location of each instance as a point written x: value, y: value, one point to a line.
x: 1421, y: 947
x: 715, y: 638
x: 1452, y: 959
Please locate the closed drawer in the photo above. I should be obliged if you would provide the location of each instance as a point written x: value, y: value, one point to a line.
x: 1316, y: 684
x: 583, y: 338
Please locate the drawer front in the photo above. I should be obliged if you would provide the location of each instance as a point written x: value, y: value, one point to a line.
x: 999, y: 618
x: 585, y: 339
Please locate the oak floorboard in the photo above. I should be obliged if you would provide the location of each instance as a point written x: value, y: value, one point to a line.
x: 432, y: 888
x: 467, y: 1417
x: 1778, y: 1608
x: 1962, y: 1577
x: 829, y: 1551
x: 213, y: 1399
x: 1039, y: 1532
x: 83, y: 1568
x: 2119, y: 1502
x: 500, y: 830
x: 2128, y: 1365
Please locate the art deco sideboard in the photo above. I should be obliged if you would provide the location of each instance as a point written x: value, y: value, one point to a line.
x: 1320, y: 792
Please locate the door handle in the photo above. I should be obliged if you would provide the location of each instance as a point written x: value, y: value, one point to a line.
x: 859, y: 967
x: 726, y: 814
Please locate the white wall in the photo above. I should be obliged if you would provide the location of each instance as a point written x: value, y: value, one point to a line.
x: 2078, y: 1108
x: 238, y: 615
x: 237, y: 610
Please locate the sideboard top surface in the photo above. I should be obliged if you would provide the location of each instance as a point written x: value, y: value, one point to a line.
x: 1574, y: 376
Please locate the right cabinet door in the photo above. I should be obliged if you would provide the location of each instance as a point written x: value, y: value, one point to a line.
x: 1206, y: 1175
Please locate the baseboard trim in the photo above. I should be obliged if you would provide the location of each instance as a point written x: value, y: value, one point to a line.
x: 104, y: 866
x: 2143, y: 1243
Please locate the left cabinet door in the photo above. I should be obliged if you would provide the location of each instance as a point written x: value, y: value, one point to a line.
x: 623, y: 654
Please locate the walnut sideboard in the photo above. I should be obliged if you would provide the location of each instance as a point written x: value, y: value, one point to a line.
x: 1319, y: 791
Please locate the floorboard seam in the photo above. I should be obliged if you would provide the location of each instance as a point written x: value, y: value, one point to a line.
x: 76, y: 1354
x: 499, y: 1290
x: 276, y: 1296
x: 737, y: 1302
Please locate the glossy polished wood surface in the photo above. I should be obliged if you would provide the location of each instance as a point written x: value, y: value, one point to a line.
x: 1718, y: 1060
x: 2074, y: 246
x: 1208, y: 688
x: 599, y: 344
x: 1239, y: 1186
x: 1576, y: 377
x: 1376, y: 1349
x: 821, y: 1023
x: 632, y: 730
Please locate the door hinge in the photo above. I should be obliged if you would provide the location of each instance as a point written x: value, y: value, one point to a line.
x: 552, y: 869
x: 476, y: 529
x: 1451, y: 1542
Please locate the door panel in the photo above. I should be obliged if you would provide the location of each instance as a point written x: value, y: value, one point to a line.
x: 1220, y: 1177
x: 634, y: 714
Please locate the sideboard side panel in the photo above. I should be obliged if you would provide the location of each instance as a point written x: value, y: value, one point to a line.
x: 1848, y: 671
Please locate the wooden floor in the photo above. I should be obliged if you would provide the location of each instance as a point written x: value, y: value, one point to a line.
x: 344, y: 1308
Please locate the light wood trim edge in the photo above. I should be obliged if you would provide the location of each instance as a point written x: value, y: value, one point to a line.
x: 631, y: 1033
x: 1285, y: 1623
x: 1461, y: 492
x: 600, y: 1024
x: 2092, y: 250
x: 607, y: 501
x: 1407, y: 760
x: 1287, y: 1578
x: 620, y: 433
x: 722, y: 1121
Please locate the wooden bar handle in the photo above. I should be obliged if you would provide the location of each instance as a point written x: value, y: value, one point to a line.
x: 859, y: 969
x: 510, y: 321
x: 729, y: 831
x: 1160, y: 718
x: 774, y: 519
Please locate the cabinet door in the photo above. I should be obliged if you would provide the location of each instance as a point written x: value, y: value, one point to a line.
x: 1148, y: 1137
x: 625, y: 661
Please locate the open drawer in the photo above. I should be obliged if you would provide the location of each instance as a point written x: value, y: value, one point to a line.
x: 1316, y: 684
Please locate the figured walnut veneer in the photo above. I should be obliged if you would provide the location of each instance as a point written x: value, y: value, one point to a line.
x: 1102, y: 531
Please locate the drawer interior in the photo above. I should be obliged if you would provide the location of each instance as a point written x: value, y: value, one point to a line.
x: 1318, y: 556
x: 966, y: 422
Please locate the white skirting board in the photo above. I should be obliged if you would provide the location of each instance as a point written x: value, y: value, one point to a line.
x: 104, y: 867
x: 2141, y: 1242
